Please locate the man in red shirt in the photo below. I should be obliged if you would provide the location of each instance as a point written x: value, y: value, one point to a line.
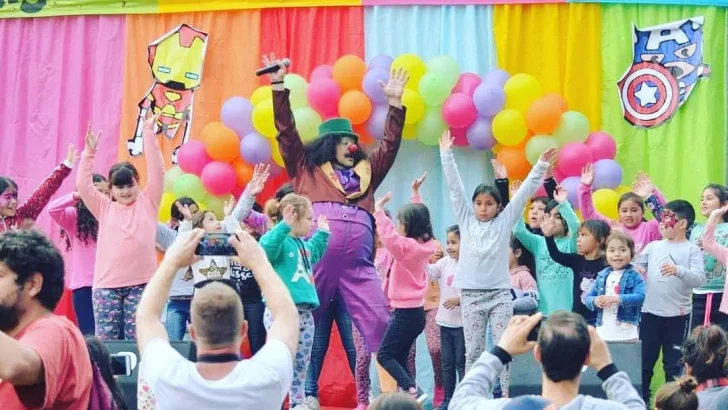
x: 44, y: 363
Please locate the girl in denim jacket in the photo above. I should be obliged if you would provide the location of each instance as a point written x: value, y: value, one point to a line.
x: 618, y: 292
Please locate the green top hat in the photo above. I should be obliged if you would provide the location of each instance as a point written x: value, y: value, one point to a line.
x: 340, y: 127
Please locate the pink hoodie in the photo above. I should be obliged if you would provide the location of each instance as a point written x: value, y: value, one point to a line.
x: 720, y: 253
x: 408, y: 279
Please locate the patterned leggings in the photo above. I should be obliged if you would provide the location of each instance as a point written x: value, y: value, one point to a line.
x: 115, y: 311
x: 363, y: 363
x: 303, y: 354
x: 480, y: 308
x: 432, y: 334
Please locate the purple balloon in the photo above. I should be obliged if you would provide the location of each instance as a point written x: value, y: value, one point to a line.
x: 236, y: 114
x: 381, y: 61
x: 376, y: 121
x: 480, y: 134
x: 321, y: 72
x: 571, y: 184
x: 255, y: 148
x: 607, y: 174
x: 496, y: 77
x: 370, y: 84
x: 489, y: 99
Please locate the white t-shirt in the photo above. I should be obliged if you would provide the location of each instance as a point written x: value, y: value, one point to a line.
x: 611, y: 328
x: 260, y: 383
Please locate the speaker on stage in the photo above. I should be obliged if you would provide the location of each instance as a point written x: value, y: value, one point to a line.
x: 627, y: 356
x: 128, y: 384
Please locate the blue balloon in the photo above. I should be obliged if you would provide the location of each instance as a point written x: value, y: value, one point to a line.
x: 571, y: 184
x: 255, y: 149
x: 378, y: 118
x: 381, y: 61
x: 480, y: 134
x: 236, y: 114
x: 607, y: 174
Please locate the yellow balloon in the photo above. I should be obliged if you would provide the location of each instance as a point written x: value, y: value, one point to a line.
x: 261, y: 94
x: 623, y: 189
x: 509, y: 127
x: 409, y: 132
x: 521, y: 91
x: 414, y: 66
x: 165, y: 207
x: 605, y: 202
x: 415, y: 106
x: 263, y: 118
x: 202, y: 207
x: 275, y: 153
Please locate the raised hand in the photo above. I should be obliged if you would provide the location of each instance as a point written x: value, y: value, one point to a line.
x: 499, y: 169
x: 394, y: 88
x: 323, y: 223
x: 417, y: 183
x: 561, y: 195
x: 642, y: 186
x: 587, y: 175
x: 379, y: 205
x: 72, y: 155
x: 446, y: 141
x: 92, y: 139
x: 515, y: 186
x: 278, y: 75
x: 182, y: 251
x: 184, y: 210
x: 227, y: 209
x: 716, y: 215
x: 548, y: 227
x: 289, y: 215
x: 549, y: 155
x: 257, y: 183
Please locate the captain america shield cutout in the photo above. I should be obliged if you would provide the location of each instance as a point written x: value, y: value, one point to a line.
x: 649, y: 94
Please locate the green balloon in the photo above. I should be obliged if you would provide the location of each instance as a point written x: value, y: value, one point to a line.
x: 189, y: 185
x: 447, y: 66
x: 537, y: 145
x: 170, y: 177
x: 431, y: 126
x: 434, y: 88
x: 216, y: 204
x: 573, y: 127
x: 298, y: 87
x: 307, y: 123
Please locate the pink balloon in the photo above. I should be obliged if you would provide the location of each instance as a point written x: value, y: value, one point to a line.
x: 558, y: 175
x: 541, y: 191
x: 467, y: 83
x: 192, y: 157
x: 602, y: 145
x: 573, y: 157
x: 218, y: 178
x: 460, y: 136
x: 323, y: 96
x: 324, y: 71
x: 459, y: 110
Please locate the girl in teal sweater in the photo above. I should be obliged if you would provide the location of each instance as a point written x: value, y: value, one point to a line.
x: 555, y: 282
x: 292, y: 258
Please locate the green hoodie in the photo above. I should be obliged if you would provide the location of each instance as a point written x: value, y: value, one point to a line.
x: 292, y: 259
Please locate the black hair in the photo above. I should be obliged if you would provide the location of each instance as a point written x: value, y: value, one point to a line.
x: 454, y: 229
x: 122, y: 174
x: 6, y: 183
x: 102, y: 359
x: 323, y: 150
x: 526, y: 258
x: 550, y: 206
x: 683, y: 210
x: 26, y: 252
x: 416, y: 221
x: 284, y: 190
x: 564, y: 343
x: 599, y: 229
x: 631, y: 196
x: 706, y: 351
x: 185, y: 200
x: 87, y: 227
x: 718, y: 190
x: 488, y: 190
x: 540, y: 199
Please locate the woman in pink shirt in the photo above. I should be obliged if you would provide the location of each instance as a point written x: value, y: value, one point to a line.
x: 411, y: 246
x: 80, y: 230
x: 126, y: 257
x: 631, y: 209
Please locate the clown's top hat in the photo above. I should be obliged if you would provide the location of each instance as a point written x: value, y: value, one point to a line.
x: 339, y: 127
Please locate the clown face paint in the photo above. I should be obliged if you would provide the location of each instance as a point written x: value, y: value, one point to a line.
x: 344, y: 156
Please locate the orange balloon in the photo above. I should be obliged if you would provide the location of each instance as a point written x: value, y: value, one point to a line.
x: 348, y: 72
x: 557, y: 100
x: 221, y: 143
x: 364, y: 137
x: 543, y: 116
x: 515, y: 161
x: 356, y: 106
x: 243, y: 171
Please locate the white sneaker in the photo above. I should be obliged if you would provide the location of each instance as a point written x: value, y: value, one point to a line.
x: 309, y: 403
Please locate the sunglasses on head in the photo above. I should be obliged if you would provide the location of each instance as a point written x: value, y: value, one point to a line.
x: 233, y: 284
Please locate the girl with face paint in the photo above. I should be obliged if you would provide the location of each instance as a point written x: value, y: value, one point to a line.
x: 14, y: 215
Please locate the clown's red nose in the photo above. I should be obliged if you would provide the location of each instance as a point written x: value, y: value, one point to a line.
x: 353, y: 148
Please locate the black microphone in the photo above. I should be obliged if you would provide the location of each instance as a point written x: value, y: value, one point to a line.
x: 273, y: 67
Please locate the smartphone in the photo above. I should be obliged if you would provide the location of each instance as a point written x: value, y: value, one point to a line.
x: 215, y: 244
x: 533, y: 335
x: 123, y: 363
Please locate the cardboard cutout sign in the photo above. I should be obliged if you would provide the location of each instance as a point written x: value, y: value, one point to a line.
x: 667, y: 64
x: 176, y: 60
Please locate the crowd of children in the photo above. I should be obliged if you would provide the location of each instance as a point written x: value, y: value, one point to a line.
x: 631, y: 278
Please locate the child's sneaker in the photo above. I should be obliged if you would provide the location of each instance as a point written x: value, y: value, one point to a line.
x: 418, y: 394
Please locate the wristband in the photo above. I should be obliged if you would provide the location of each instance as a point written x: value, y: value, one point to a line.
x: 501, y: 354
x: 276, y: 82
x: 607, y: 372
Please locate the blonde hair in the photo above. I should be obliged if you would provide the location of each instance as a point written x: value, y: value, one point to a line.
x: 678, y: 395
x: 300, y: 204
x: 216, y: 314
x: 199, y: 216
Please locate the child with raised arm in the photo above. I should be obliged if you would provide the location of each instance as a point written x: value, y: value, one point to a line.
x: 618, y: 292
x: 126, y: 257
x: 555, y: 281
x: 586, y: 263
x: 717, y: 250
x: 631, y: 209
x: 292, y: 258
x: 482, y: 271
x: 674, y: 267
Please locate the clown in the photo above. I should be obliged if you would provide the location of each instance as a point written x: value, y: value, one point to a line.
x: 340, y: 180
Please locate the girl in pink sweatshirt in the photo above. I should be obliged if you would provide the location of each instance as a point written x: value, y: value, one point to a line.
x: 80, y: 230
x: 126, y: 257
x: 411, y: 246
x: 720, y: 252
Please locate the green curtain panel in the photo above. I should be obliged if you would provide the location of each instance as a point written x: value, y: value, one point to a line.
x: 688, y: 151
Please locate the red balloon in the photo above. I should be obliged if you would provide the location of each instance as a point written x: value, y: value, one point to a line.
x: 601, y: 145
x: 467, y: 83
x: 573, y: 157
x: 460, y: 137
x: 459, y: 110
